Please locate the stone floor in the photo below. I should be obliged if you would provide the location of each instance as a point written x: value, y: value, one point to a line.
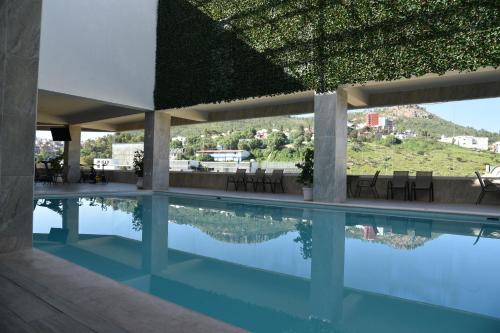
x: 43, y: 293
x: 471, y: 209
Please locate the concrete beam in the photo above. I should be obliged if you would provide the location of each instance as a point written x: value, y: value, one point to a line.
x: 267, y: 111
x: 356, y: 97
x: 439, y: 94
x: 330, y: 147
x: 105, y: 112
x: 190, y: 114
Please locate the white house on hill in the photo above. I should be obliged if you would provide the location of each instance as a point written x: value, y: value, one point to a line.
x: 466, y: 141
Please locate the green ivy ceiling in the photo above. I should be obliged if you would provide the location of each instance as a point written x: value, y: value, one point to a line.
x: 221, y: 50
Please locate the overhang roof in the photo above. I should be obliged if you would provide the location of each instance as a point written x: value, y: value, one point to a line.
x: 62, y: 109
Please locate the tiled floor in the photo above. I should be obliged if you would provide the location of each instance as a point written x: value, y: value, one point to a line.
x: 42, y: 293
x: 471, y: 209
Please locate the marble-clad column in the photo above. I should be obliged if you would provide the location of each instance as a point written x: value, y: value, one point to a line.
x: 72, y: 154
x: 19, y: 50
x: 330, y: 147
x: 156, y: 151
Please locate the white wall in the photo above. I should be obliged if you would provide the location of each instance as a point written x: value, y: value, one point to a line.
x: 101, y: 49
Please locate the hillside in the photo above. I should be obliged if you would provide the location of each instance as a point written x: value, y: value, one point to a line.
x: 417, y: 154
x: 423, y: 123
x: 280, y: 122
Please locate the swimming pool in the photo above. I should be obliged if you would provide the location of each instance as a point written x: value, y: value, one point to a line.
x: 270, y: 267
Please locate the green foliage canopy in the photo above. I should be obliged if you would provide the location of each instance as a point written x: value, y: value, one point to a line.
x: 222, y: 50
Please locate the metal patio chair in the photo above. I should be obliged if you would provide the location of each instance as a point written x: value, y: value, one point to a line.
x: 274, y: 180
x: 423, y: 182
x: 238, y: 178
x: 370, y: 184
x: 486, y: 187
x: 400, y: 181
x: 258, y: 179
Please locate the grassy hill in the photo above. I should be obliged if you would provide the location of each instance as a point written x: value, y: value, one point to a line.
x: 417, y: 154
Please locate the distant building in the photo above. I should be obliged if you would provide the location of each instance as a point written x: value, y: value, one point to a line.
x: 405, y: 135
x: 466, y: 141
x: 51, y: 148
x: 372, y: 119
x: 386, y: 123
x: 496, y: 147
x: 224, y: 155
x: 123, y: 154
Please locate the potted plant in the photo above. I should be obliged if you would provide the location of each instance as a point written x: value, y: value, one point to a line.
x: 139, y: 167
x: 306, y: 174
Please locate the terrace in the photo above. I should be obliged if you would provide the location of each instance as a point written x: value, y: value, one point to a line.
x: 199, y: 63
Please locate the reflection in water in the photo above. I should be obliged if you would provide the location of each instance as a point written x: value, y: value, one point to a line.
x: 280, y: 269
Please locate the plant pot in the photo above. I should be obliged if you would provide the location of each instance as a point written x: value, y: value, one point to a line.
x: 140, y: 182
x: 308, y: 193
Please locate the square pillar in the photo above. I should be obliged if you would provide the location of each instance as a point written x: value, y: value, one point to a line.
x: 156, y: 151
x: 330, y: 147
x: 19, y: 50
x: 72, y: 154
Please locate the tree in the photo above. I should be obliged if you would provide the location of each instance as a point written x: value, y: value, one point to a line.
x: 176, y: 144
x: 276, y: 141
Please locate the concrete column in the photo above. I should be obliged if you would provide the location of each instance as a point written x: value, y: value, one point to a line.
x: 71, y: 219
x: 327, y: 266
x: 72, y: 154
x: 154, y: 233
x: 19, y: 50
x: 156, y: 151
x: 330, y: 147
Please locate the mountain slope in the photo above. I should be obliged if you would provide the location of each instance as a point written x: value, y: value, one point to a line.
x: 424, y: 123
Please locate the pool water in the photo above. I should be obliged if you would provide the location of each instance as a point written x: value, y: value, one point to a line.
x: 281, y: 268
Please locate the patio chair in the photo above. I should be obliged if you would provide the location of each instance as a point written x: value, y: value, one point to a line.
x: 274, y: 180
x: 37, y: 174
x: 423, y: 182
x: 486, y: 187
x: 62, y: 175
x: 258, y: 179
x: 370, y: 184
x: 46, y: 176
x: 399, y: 182
x: 238, y: 178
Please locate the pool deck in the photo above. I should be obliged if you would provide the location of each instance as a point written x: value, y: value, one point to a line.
x: 42, y: 293
x: 468, y: 209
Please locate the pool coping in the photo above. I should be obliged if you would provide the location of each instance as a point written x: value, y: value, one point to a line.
x: 396, y: 207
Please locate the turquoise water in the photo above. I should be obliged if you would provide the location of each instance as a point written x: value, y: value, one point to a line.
x: 270, y: 268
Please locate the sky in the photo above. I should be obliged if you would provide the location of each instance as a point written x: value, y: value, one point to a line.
x: 479, y: 113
